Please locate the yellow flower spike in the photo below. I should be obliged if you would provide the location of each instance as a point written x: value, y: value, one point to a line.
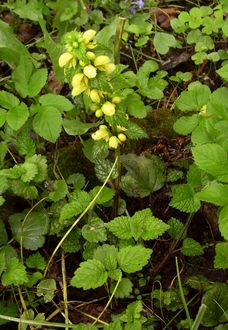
x: 90, y: 55
x: 77, y: 79
x: 103, y: 127
x: 91, y: 45
x: 64, y: 59
x: 90, y: 71
x: 109, y: 68
x: 78, y: 90
x: 99, y: 113
x: 88, y: 36
x: 101, y: 134
x: 82, y: 63
x: 101, y: 60
x: 93, y: 107
x: 94, y: 95
x: 122, y: 137
x: 120, y: 128
x: 113, y: 142
x: 116, y: 99
x: 108, y: 108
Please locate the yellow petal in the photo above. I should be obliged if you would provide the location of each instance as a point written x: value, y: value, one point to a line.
x: 90, y: 71
x: 122, y: 137
x: 116, y: 99
x: 90, y: 55
x: 77, y: 79
x: 94, y: 95
x: 100, y: 135
x: 88, y: 35
x: 99, y: 113
x: 109, y: 68
x: 101, y: 60
x: 64, y: 59
x: 108, y: 108
x: 113, y: 142
x: 78, y: 90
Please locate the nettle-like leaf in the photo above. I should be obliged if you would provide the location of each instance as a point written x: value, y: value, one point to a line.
x: 176, y: 228
x: 191, y: 247
x: 30, y: 232
x: 15, y: 273
x: 77, y: 127
x: 36, y: 261
x: 141, y: 225
x: 79, y: 202
x: 133, y: 258
x: 94, y: 230
x: 184, y: 199
x: 218, y: 104
x: 124, y: 288
x: 22, y: 189
x: 47, y: 123
x: 194, y: 98
x: 60, y: 190
x: 107, y: 254
x: 72, y: 243
x: 46, y: 289
x: 212, y: 158
x: 147, y: 174
x: 185, y: 125
x: 90, y: 275
x: 95, y: 150
x: 216, y: 193
x: 102, y: 169
x: 134, y: 105
x: 17, y: 116
x: 105, y: 195
x: 174, y: 175
x: 221, y: 257
x: 24, y: 144
x: 223, y: 222
x: 216, y: 300
x: 60, y: 102
x: 41, y: 163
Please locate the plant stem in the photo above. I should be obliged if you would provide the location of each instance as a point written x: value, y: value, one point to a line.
x: 117, y: 185
x: 182, y: 295
x: 118, y: 36
x: 63, y: 267
x: 199, y: 317
x: 24, y: 307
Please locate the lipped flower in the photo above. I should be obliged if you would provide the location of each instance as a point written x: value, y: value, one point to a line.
x: 67, y: 58
x: 79, y: 83
x: 103, y: 63
x: 108, y: 108
x: 101, y: 134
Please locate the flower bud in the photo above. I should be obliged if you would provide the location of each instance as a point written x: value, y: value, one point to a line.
x: 82, y: 63
x: 103, y: 127
x: 116, y: 99
x: 64, y: 59
x: 94, y: 95
x: 90, y: 55
x: 108, y: 108
x: 88, y: 35
x: 99, y: 113
x: 101, y: 60
x: 90, y: 71
x: 113, y: 142
x: 93, y: 107
x: 120, y: 128
x: 122, y: 137
x: 109, y: 68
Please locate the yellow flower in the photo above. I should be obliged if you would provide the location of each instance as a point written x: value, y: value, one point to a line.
x: 108, y: 108
x: 94, y: 95
x: 88, y: 35
x: 113, y: 142
x: 116, y: 99
x: 101, y: 60
x: 108, y: 68
x: 90, y: 55
x: 67, y: 58
x: 93, y: 107
x: 99, y: 113
x: 79, y: 83
x: 122, y: 137
x: 101, y: 134
x: 120, y: 128
x: 90, y: 71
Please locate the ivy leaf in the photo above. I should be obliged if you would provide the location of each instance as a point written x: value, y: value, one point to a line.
x: 90, y: 275
x: 31, y: 232
x: 60, y: 190
x: 107, y: 254
x: 47, y: 123
x: 133, y: 258
x: 17, y: 116
x: 36, y: 260
x: 59, y: 102
x: 191, y: 247
x: 94, y: 230
x: 223, y: 222
x: 164, y: 41
x: 15, y: 273
x: 46, y: 289
x: 124, y: 288
x: 212, y: 158
x: 184, y: 199
x: 221, y: 257
x: 216, y: 193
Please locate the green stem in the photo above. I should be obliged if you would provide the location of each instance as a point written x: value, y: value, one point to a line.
x: 182, y: 295
x: 117, y: 185
x: 199, y: 317
x: 63, y: 266
x: 118, y: 36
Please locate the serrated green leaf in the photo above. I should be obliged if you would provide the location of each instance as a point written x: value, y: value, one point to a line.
x: 24, y: 144
x: 135, y: 132
x: 184, y: 199
x: 72, y: 243
x: 21, y: 76
x: 59, y: 102
x: 33, y: 279
x: 120, y: 227
x: 60, y: 190
x: 46, y: 289
x: 134, y: 105
x: 223, y: 222
x: 41, y: 163
x: 8, y: 100
x: 23, y: 189
x: 95, y: 150
x: 102, y: 169
x: 47, y: 123
x: 124, y: 288
x: 3, y: 233
x: 105, y: 195
x: 37, y: 81
x: 176, y: 228
x: 17, y: 116
x: 3, y: 184
x: 77, y: 127
x: 191, y: 247
x: 101, y: 83
x: 107, y: 254
x: 211, y: 157
x: 3, y: 114
x: 223, y: 72
x: 30, y: 171
x: 94, y: 231
x: 163, y: 42
x: 8, y: 308
x: 221, y: 256
x: 15, y: 273
x: 216, y: 193
x: 133, y: 258
x: 174, y: 175
x: 218, y: 104
x: 90, y: 275
x: 30, y: 232
x: 74, y: 208
x: 216, y: 300
x: 185, y: 125
x: 36, y: 260
x: 77, y: 179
